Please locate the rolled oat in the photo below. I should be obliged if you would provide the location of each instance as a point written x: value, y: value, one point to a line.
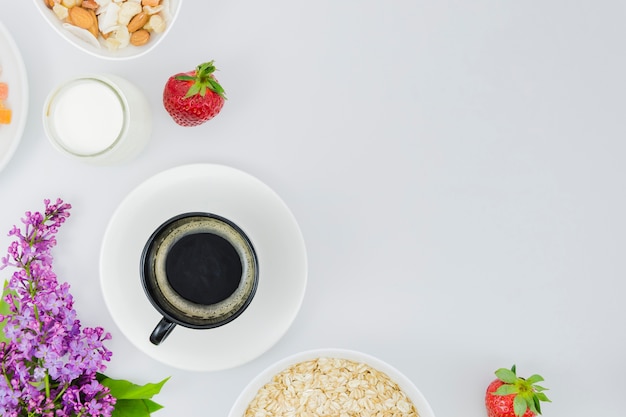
x: 331, y: 387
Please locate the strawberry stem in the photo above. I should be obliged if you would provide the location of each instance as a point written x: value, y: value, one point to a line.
x: 202, y: 80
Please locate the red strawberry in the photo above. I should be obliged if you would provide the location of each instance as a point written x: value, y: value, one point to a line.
x: 194, y: 97
x: 512, y: 396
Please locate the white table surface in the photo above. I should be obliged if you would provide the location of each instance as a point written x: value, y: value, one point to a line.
x: 456, y: 169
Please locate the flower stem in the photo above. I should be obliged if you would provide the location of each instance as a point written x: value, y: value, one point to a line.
x: 47, y: 382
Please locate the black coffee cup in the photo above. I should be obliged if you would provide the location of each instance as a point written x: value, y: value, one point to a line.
x: 199, y: 270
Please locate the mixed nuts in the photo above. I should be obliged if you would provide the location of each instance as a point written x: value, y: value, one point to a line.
x: 114, y: 23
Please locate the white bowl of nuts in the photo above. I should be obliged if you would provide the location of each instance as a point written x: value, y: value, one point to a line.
x: 111, y: 29
x: 331, y: 382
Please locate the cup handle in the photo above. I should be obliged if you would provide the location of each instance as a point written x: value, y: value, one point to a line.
x: 161, y: 331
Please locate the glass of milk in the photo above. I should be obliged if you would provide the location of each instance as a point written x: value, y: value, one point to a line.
x: 100, y: 119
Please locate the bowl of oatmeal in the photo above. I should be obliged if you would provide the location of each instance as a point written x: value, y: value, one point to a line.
x: 111, y: 29
x: 332, y: 382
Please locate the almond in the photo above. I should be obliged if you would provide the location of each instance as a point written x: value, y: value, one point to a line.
x: 89, y: 4
x: 140, y: 37
x: 138, y: 21
x: 94, y: 18
x: 94, y: 23
x: 94, y: 30
x: 80, y: 17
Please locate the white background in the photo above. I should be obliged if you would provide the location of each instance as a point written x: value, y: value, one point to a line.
x: 456, y: 168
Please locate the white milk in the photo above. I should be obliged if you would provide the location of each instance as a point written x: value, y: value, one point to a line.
x: 88, y: 116
x: 99, y: 119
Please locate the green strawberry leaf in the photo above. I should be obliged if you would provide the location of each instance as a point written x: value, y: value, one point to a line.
x: 536, y: 408
x: 506, y: 375
x: 539, y: 388
x: 506, y: 389
x: 216, y: 87
x: 534, y: 379
x: 202, y: 80
x: 193, y: 90
x: 542, y: 397
x: 519, y: 405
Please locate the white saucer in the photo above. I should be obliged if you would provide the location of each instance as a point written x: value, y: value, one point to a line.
x: 263, y: 216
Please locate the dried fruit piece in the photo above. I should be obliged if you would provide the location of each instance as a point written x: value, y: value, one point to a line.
x: 155, y: 24
x: 107, y: 18
x: 70, y: 3
x: 153, y: 9
x: 119, y: 38
x: 60, y: 11
x: 5, y: 115
x: 4, y: 91
x: 127, y: 11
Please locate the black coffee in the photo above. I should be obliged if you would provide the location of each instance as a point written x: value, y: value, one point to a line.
x: 203, y: 268
x: 199, y: 269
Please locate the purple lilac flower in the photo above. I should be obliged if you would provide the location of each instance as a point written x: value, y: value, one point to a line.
x: 49, y: 362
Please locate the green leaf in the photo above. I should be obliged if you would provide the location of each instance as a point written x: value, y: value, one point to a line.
x: 536, y: 405
x: 542, y: 397
x: 532, y: 403
x: 534, y: 379
x: 126, y: 390
x: 519, y: 405
x: 183, y: 77
x: 152, y: 406
x: 506, y: 389
x: 193, y: 90
x: 5, y: 310
x: 539, y: 388
x: 134, y: 408
x: 132, y: 400
x: 506, y: 375
x: 215, y: 86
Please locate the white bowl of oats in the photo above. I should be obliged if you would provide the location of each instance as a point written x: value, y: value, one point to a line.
x: 111, y: 29
x: 331, y: 382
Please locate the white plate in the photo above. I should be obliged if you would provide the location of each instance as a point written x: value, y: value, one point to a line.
x: 14, y: 74
x: 405, y: 384
x: 261, y: 214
